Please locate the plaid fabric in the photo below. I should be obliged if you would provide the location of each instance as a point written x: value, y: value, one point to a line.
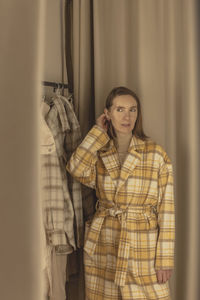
x: 133, y: 231
x: 82, y: 197
x: 72, y: 140
x: 62, y: 194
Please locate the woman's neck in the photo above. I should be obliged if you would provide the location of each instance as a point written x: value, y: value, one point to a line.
x: 123, y: 141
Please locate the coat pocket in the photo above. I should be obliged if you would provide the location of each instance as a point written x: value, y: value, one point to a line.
x: 141, y: 266
x: 143, y: 243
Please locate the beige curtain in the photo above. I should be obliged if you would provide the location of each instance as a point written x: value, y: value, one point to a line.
x: 151, y: 47
x: 83, y: 62
x: 21, y: 26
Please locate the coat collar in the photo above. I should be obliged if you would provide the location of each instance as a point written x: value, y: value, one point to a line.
x: 110, y: 159
x: 136, y: 144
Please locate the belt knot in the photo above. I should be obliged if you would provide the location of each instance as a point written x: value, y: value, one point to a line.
x: 113, y: 211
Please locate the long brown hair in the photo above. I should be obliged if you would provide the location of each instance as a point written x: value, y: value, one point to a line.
x: 138, y: 128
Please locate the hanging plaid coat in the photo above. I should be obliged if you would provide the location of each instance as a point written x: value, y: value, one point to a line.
x: 133, y: 231
x: 62, y: 199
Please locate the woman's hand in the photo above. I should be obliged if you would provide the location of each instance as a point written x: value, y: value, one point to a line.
x: 163, y: 275
x: 102, y: 122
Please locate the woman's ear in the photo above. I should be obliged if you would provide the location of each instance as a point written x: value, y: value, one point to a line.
x: 106, y: 112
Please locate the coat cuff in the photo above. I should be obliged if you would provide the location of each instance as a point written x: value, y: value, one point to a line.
x: 95, y: 139
x: 164, y: 263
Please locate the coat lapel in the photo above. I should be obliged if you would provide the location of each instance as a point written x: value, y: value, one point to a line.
x: 132, y: 160
x: 111, y: 161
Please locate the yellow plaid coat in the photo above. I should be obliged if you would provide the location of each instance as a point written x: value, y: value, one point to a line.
x: 132, y: 233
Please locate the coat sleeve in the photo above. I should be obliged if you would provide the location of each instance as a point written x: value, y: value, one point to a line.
x: 82, y: 164
x: 166, y: 218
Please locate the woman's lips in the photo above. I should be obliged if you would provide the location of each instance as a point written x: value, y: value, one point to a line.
x: 125, y: 125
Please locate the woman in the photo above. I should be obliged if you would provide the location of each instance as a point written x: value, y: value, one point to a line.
x: 129, y: 245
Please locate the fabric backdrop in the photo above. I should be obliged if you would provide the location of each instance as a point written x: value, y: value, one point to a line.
x: 21, y: 37
x: 151, y: 47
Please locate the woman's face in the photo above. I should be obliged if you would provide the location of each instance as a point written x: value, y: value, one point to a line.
x: 123, y: 114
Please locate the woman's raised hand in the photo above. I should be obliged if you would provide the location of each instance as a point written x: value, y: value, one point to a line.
x: 102, y: 122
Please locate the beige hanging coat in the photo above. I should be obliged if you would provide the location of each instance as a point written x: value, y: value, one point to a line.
x: 133, y: 231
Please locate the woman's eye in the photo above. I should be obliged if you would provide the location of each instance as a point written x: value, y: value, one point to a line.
x: 133, y: 109
x: 119, y: 109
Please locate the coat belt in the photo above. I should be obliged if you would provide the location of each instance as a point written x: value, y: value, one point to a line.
x: 124, y: 241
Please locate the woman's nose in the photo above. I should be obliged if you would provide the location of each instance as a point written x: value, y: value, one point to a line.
x: 127, y: 115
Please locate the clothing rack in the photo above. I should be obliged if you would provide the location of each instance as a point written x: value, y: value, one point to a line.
x: 56, y: 85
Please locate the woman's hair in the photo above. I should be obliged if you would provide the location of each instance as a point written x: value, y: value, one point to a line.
x: 138, y: 128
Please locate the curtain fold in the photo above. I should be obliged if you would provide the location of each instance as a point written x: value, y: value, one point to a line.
x: 188, y: 147
x: 151, y: 47
x: 83, y: 68
x: 68, y: 43
x: 21, y: 35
